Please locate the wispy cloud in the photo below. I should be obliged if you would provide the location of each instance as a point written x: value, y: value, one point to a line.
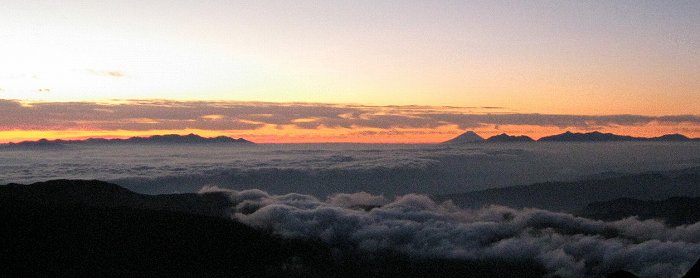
x: 107, y: 73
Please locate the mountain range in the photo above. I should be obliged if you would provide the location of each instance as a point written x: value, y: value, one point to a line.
x: 466, y: 137
x: 156, y: 139
x: 609, y: 137
x: 472, y: 137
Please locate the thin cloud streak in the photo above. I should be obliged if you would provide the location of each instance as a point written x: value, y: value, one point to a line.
x: 145, y: 115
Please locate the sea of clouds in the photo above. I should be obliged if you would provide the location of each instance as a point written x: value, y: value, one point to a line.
x: 415, y: 225
x: 325, y: 169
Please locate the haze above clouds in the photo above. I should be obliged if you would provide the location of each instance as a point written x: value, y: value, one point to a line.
x: 324, y: 169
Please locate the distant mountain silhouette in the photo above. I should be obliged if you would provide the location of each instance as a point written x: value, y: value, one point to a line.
x: 609, y: 137
x: 467, y: 137
x: 508, y: 138
x: 188, y: 139
x: 586, y: 137
x: 68, y: 228
x: 573, y: 196
x: 472, y: 137
x: 670, y: 137
x: 675, y: 211
x: 156, y: 139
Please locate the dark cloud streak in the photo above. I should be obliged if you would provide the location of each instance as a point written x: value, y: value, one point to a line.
x: 163, y: 114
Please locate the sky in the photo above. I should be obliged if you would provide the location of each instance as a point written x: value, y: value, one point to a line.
x: 485, y: 60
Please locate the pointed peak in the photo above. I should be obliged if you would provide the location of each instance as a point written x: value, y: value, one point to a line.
x: 467, y: 137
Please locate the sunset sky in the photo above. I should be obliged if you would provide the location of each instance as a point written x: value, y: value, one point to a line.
x: 347, y: 71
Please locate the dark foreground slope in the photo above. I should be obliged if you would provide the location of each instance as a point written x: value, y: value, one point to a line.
x: 694, y: 272
x: 95, y: 229
x: 95, y: 193
x: 573, y: 196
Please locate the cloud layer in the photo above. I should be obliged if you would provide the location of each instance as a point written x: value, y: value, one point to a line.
x: 416, y: 225
x: 169, y: 115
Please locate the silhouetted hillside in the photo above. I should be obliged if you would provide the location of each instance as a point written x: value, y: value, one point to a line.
x: 179, y: 139
x: 467, y: 137
x: 95, y: 229
x: 508, y: 138
x: 586, y: 137
x: 472, y: 137
x: 156, y: 139
x: 621, y: 274
x: 103, y: 194
x: 675, y: 211
x: 571, y: 196
x: 671, y: 137
x: 609, y: 137
x: 694, y: 272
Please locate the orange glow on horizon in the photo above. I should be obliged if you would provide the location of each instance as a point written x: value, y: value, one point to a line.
x: 289, y: 134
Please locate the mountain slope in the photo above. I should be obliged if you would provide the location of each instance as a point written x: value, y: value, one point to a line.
x: 103, y: 194
x: 571, y: 196
x: 674, y: 211
x: 508, y: 138
x: 609, y: 137
x: 156, y: 139
x: 467, y: 137
x: 586, y: 137
x: 694, y: 272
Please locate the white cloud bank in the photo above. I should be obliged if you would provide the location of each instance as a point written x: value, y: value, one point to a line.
x: 565, y: 245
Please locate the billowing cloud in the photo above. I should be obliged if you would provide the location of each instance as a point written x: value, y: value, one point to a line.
x: 169, y: 115
x: 565, y: 245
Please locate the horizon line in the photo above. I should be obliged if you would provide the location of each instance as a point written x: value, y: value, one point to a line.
x: 125, y: 138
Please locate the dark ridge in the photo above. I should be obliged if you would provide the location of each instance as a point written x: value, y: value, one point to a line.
x: 674, y: 211
x: 694, y: 272
x: 467, y: 137
x: 586, y: 137
x: 609, y: 137
x: 69, y: 228
x: 621, y: 274
x: 472, y: 137
x: 156, y: 139
x: 102, y: 194
x: 508, y: 138
x: 671, y: 137
x: 573, y: 196
x: 180, y: 139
